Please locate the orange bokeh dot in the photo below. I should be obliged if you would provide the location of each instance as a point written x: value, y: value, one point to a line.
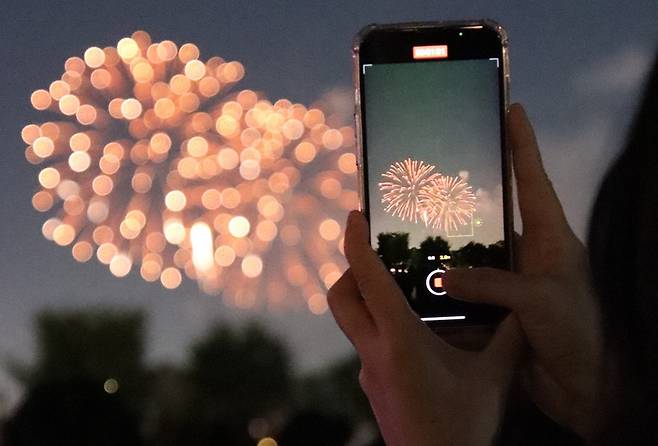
x: 195, y: 69
x: 226, y: 126
x: 102, y: 234
x: 42, y: 201
x: 330, y: 188
x: 142, y: 71
x: 164, y: 108
x: 332, y: 139
x: 347, y: 163
x: 141, y: 182
x: 266, y: 230
x: 86, y: 114
x: 43, y: 146
x: 98, y: 210
x: 179, y: 84
x: 329, y: 229
x: 109, y: 164
x: 79, y: 161
x: 171, y: 278
x: 167, y: 50
x: 156, y: 241
x: 41, y: 99
x: 197, y: 146
x: 79, y: 142
x: 187, y: 167
x: 188, y: 52
x: 127, y: 48
x: 175, y: 200
x: 313, y: 117
x: 30, y: 133
x: 105, y: 252
x: 120, y: 265
x: 69, y: 104
x: 75, y: 64
x: 102, y: 185
x: 160, y: 90
x: 49, y: 226
x: 211, y: 199
x: 94, y: 57
x: 114, y: 108
x: 252, y: 266
x: 82, y: 251
x: 189, y: 102
x: 209, y: 86
x: 231, y: 198
x: 74, y: 205
x: 64, y: 234
x: 317, y: 304
x: 160, y: 143
x: 131, y: 108
x: 224, y: 255
x: 305, y: 152
x: 239, y: 226
x: 59, y: 89
x: 49, y: 177
x: 228, y: 158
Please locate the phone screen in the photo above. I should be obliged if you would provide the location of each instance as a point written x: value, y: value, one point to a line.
x: 435, y: 175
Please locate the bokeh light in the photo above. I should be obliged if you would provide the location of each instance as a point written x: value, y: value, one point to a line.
x: 154, y: 163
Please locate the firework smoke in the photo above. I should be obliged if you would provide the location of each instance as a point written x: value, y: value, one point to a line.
x: 446, y: 203
x: 400, y: 194
x: 153, y: 160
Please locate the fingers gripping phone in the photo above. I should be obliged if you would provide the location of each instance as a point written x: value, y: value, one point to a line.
x: 431, y: 101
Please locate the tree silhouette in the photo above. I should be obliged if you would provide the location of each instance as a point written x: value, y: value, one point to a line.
x: 336, y: 389
x: 497, y: 255
x: 235, y: 375
x: 71, y: 411
x: 68, y: 398
x: 471, y: 254
x: 90, y: 345
x: 393, y: 248
x: 434, y: 246
x: 332, y: 394
x: 476, y: 255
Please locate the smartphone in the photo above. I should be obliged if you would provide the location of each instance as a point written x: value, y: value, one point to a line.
x: 431, y: 102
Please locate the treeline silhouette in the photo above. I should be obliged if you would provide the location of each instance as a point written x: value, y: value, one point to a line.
x: 91, y: 385
x: 394, y: 250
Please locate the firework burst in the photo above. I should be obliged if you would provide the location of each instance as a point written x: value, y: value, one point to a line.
x: 155, y: 160
x: 400, y: 194
x: 446, y: 203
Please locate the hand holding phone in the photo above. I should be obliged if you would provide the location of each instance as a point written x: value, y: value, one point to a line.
x: 401, y: 357
x: 422, y: 390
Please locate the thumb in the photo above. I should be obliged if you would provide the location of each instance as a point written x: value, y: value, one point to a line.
x: 490, y: 286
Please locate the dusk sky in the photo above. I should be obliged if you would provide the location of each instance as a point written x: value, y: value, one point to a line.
x: 577, y: 66
x: 444, y: 114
